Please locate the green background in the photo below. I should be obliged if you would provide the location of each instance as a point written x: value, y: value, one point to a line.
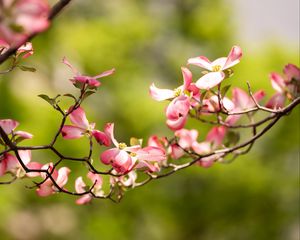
x: 255, y: 197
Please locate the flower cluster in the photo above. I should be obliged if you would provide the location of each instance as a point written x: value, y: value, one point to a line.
x: 21, y: 18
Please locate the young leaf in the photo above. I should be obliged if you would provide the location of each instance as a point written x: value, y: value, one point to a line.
x: 26, y: 68
x: 51, y: 101
x: 224, y: 90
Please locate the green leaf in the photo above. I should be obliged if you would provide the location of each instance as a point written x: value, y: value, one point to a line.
x: 70, y: 95
x: 224, y: 90
x: 51, y: 101
x: 26, y: 68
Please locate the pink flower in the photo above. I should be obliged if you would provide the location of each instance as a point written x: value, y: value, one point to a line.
x: 47, y: 188
x: 285, y: 87
x: 81, y: 187
x: 25, y: 50
x: 90, y: 81
x: 216, y: 68
x: 177, y: 112
x: 81, y: 127
x: 123, y: 158
x: 212, y: 104
x: 179, y: 107
x: 216, y: 135
x: 242, y: 101
x: 9, y: 163
x: 20, y: 18
x: 9, y: 125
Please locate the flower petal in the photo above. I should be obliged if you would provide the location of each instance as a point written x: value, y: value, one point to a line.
x: 201, y: 61
x: 78, y: 118
x: 24, y: 135
x: 187, y: 77
x: 277, y: 82
x: 84, y: 199
x: 177, y: 123
x: 72, y: 132
x: 159, y: 94
x: 276, y: 101
x: 104, y: 74
x: 8, y: 125
x: 80, y: 185
x: 34, y: 166
x: 216, y: 135
x: 75, y: 71
x: 62, y: 177
x: 108, y: 156
x: 151, y: 154
x: 101, y: 138
x: 210, y: 80
x: 234, y: 57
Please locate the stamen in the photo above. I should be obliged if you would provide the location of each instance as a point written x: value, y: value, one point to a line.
x: 122, y: 145
x: 216, y: 68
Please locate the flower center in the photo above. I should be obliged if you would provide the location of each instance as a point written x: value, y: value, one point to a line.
x: 216, y: 68
x: 177, y: 92
x: 122, y: 145
x: 132, y: 154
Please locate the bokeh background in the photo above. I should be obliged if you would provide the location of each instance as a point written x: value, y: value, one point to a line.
x: 255, y: 197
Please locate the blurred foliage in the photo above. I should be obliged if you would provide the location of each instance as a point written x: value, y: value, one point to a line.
x: 255, y: 197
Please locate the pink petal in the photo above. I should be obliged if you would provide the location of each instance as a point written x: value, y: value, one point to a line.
x: 144, y: 164
x: 25, y: 156
x: 216, y: 135
x: 186, y: 137
x: 62, y: 177
x: 201, y: 148
x: 233, y: 57
x: 84, y: 199
x: 176, y: 151
x: 240, y: 99
x: 219, y: 62
x: 8, y: 125
x: 176, y: 124
x: 292, y: 72
x: 201, y: 62
x: 179, y: 107
x: 27, y: 49
x: 122, y: 162
x: 101, y: 138
x: 232, y: 119
x: 187, y: 77
x: 109, y: 131
x: 276, y: 101
x: 11, y: 162
x: 75, y: 71
x: 210, y: 80
x: 151, y: 154
x: 96, y: 179
x: 23, y: 134
x: 45, y: 190
x: 71, y: 132
x: 79, y: 185
x: 277, y: 82
x: 108, y: 156
x: 78, y: 118
x: 2, y: 167
x: 160, y: 94
x: 104, y: 74
x: 34, y: 166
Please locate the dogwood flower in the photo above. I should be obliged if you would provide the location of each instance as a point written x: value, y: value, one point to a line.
x: 9, y: 125
x: 123, y: 158
x: 216, y: 68
x: 9, y: 163
x: 90, y: 81
x: 285, y: 87
x: 20, y: 18
x: 242, y: 101
x: 60, y: 176
x: 81, y: 187
x: 81, y: 127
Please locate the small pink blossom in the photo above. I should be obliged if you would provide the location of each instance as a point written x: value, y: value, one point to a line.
x: 81, y: 187
x: 242, y: 101
x: 123, y: 159
x: 90, y: 81
x: 216, y: 68
x: 9, y: 125
x: 9, y: 163
x: 285, y: 87
x: 21, y: 18
x: 48, y: 188
x: 81, y: 127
